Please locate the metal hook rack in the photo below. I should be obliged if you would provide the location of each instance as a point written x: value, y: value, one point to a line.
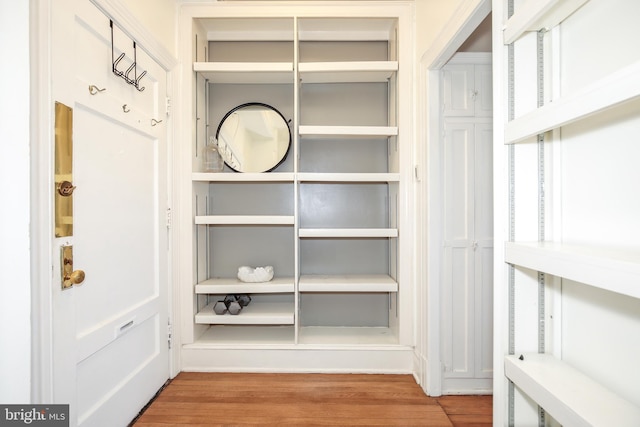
x: 135, y: 81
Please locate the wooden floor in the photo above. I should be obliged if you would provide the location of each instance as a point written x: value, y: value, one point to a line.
x: 206, y: 399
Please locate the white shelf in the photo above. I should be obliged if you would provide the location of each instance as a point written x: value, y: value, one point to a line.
x: 256, y: 313
x: 305, y: 130
x: 243, y: 177
x: 348, y: 177
x: 534, y: 15
x: 569, y: 396
x: 234, y: 286
x: 606, y: 268
x: 245, y: 335
x: 348, y: 232
x: 347, y: 72
x: 244, y: 220
x: 350, y: 283
x: 620, y: 86
x: 246, y: 72
x: 347, y: 335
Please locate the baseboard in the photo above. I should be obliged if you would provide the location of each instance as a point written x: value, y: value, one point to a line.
x: 388, y: 360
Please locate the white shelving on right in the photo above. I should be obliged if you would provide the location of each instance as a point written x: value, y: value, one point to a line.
x: 568, y: 309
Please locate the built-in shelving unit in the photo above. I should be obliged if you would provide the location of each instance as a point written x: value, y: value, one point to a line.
x: 583, y: 278
x: 328, y: 217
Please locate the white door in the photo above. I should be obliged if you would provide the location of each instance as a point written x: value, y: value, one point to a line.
x: 468, y: 257
x: 110, y: 333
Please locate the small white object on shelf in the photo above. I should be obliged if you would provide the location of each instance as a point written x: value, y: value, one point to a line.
x: 255, y: 275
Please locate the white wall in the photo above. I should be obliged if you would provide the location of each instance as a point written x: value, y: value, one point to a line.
x: 15, y: 283
x: 159, y: 18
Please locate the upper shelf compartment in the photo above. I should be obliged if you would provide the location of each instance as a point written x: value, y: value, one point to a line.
x: 248, y: 51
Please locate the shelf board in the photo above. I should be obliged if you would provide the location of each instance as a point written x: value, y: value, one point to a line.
x: 305, y: 130
x: 569, y: 396
x: 348, y: 177
x: 261, y: 313
x: 246, y: 72
x: 244, y: 220
x: 610, y: 91
x: 234, y: 286
x: 534, y: 15
x: 346, y: 335
x: 348, y: 232
x: 611, y: 269
x: 347, y: 72
x: 246, y: 335
x: 347, y: 283
x: 243, y: 177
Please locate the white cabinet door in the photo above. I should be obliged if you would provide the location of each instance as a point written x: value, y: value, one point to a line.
x: 467, y: 90
x: 110, y: 333
x: 468, y: 256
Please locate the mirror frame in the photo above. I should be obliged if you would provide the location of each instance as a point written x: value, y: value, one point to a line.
x: 254, y: 104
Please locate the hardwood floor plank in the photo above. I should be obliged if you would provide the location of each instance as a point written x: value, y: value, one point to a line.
x: 196, y: 398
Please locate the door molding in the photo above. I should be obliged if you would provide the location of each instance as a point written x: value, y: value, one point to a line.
x: 463, y: 22
x: 41, y: 178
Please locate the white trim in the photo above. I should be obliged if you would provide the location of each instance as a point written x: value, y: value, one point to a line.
x: 464, y: 21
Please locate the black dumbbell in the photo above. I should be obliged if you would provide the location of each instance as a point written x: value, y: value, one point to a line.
x: 233, y: 305
x: 243, y: 299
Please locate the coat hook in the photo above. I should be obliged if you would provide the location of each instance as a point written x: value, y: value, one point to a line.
x: 125, y: 108
x: 155, y: 122
x: 93, y: 89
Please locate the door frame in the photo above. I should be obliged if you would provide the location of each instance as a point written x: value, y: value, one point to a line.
x: 42, y: 184
x: 465, y: 19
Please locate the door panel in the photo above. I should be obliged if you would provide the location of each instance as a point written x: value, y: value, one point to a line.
x: 110, y: 332
x: 467, y: 254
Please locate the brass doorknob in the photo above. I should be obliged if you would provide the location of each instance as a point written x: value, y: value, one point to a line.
x: 77, y: 277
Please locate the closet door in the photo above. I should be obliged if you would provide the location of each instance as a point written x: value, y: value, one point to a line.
x: 468, y: 247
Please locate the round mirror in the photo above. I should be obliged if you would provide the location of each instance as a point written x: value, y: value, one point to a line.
x: 253, y: 137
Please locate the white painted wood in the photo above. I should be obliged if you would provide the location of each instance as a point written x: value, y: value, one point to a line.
x: 246, y: 72
x: 110, y: 335
x: 244, y: 219
x: 274, y: 336
x: 306, y: 130
x: 534, y: 15
x: 569, y: 396
x: 348, y: 232
x: 243, y: 177
x: 467, y: 88
x: 347, y: 72
x: 467, y: 254
x: 350, y: 283
x: 458, y: 90
x: 324, y: 357
x: 256, y: 313
x: 613, y: 269
x: 235, y: 286
x: 348, y: 177
x: 620, y: 86
x: 347, y: 335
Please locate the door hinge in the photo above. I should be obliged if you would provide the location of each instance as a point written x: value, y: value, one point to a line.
x: 169, y: 334
x: 169, y: 217
x: 167, y: 105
